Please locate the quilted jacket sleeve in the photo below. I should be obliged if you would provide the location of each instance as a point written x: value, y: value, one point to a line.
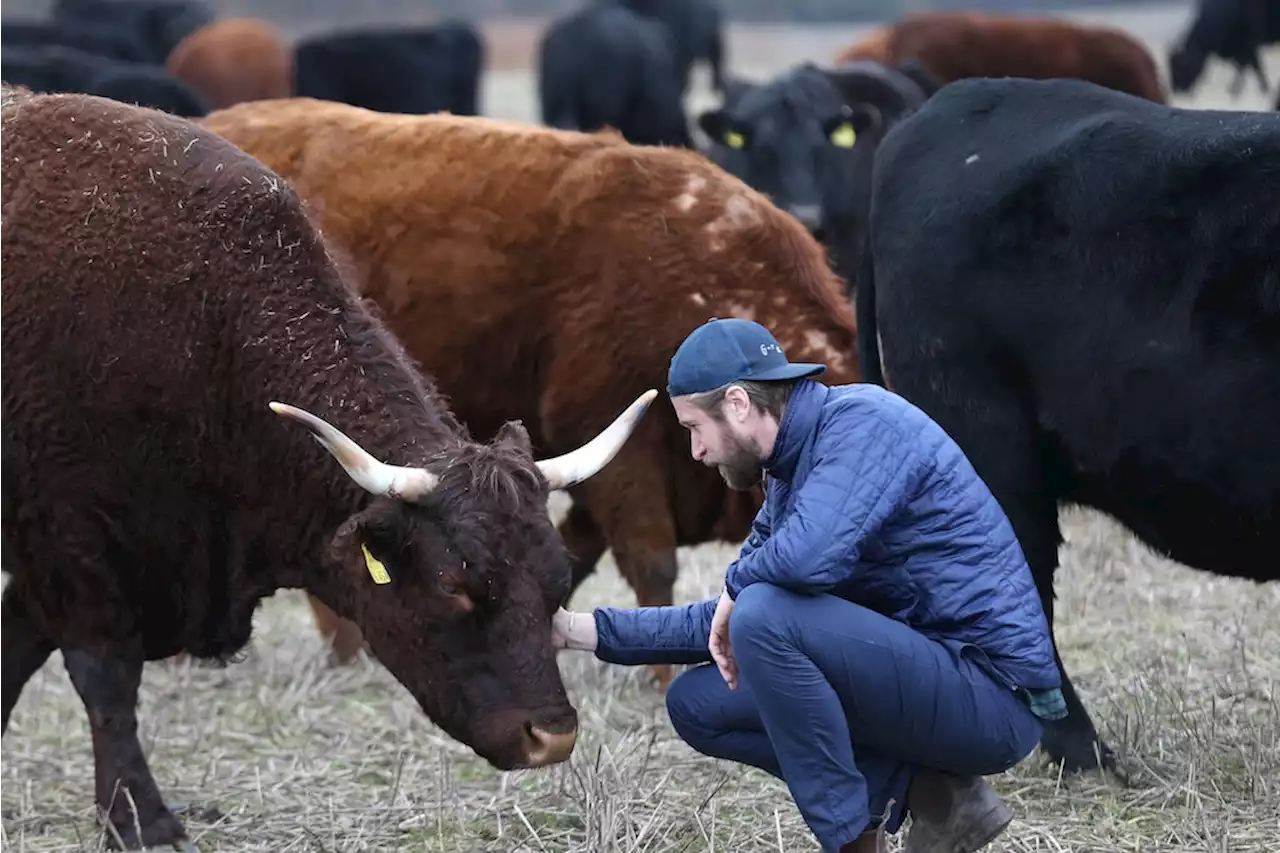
x: 760, y: 528
x: 639, y: 635
x: 863, y: 470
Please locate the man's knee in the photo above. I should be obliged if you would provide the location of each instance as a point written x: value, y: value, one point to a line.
x: 761, y: 611
x: 687, y: 705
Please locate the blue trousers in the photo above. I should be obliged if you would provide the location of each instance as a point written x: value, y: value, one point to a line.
x: 843, y: 703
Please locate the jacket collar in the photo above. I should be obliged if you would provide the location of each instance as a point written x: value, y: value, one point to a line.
x: 798, y: 423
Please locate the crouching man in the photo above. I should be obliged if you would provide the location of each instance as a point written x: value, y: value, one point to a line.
x: 879, y: 644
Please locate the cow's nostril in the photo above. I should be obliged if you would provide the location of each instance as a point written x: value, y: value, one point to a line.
x: 543, y: 747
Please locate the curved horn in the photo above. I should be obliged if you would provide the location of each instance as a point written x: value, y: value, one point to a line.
x: 373, y: 476
x: 577, y: 465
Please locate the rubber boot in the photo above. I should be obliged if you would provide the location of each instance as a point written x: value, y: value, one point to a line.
x: 873, y: 840
x: 953, y: 814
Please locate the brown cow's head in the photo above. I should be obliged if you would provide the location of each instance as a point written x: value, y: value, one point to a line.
x: 453, y: 575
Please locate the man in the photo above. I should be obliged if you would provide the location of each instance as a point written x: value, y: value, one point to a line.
x: 879, y: 643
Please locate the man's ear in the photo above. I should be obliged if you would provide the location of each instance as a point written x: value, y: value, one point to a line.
x: 738, y: 402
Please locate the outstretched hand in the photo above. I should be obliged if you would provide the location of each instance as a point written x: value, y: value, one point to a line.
x: 718, y: 644
x: 570, y: 630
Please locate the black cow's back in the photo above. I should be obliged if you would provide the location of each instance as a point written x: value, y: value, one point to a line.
x: 414, y: 70
x: 1113, y: 264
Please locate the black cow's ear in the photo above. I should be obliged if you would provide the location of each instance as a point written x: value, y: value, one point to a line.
x: 712, y: 124
x: 916, y: 71
x: 733, y: 90
x: 865, y: 81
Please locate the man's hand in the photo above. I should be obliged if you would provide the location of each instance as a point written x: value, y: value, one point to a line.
x: 571, y: 630
x: 718, y: 644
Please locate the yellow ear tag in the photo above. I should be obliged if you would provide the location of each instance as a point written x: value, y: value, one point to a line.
x: 376, y: 570
x: 843, y: 136
x: 734, y: 139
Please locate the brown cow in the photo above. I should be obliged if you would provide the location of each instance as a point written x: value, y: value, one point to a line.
x: 875, y: 46
x: 546, y: 275
x: 953, y: 45
x: 162, y: 290
x: 235, y: 60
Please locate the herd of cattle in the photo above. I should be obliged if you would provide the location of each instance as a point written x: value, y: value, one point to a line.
x: 1078, y: 281
x: 178, y: 56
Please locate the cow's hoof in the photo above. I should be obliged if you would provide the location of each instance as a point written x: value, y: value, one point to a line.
x: 165, y: 832
x: 660, y: 676
x: 1076, y: 751
x: 196, y: 811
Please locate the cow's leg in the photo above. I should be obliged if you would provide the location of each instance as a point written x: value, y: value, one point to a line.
x: 1000, y: 438
x: 107, y: 680
x: 1025, y: 491
x: 25, y: 647
x: 344, y: 636
x: 585, y: 542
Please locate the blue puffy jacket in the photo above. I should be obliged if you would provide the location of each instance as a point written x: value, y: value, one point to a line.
x: 868, y: 499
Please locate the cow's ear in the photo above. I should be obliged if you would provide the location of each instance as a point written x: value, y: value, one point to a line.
x: 513, y: 433
x: 867, y: 82
x: 733, y: 89
x: 915, y: 70
x: 713, y: 124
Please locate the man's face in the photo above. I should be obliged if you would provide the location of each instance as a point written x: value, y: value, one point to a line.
x: 720, y: 439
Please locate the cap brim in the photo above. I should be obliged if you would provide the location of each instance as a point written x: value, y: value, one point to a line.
x: 794, y: 370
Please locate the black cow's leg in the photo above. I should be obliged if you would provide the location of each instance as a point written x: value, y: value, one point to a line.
x: 107, y: 680
x: 1072, y: 741
x: 1025, y: 491
x: 999, y: 436
x: 25, y: 647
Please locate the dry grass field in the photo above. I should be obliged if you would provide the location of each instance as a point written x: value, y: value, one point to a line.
x: 281, y: 752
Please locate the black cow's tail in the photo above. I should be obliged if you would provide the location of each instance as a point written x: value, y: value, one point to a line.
x: 865, y: 306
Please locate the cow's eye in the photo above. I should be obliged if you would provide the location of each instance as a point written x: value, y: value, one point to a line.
x: 457, y: 596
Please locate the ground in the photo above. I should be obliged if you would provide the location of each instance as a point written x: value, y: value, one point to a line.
x: 283, y: 753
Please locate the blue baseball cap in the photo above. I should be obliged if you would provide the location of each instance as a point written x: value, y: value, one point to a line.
x: 732, y: 350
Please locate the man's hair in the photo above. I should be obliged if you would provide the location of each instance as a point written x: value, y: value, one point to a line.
x: 769, y: 397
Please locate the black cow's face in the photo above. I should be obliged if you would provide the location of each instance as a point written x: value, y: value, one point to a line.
x: 807, y: 138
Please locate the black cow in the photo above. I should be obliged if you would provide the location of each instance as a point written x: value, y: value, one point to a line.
x: 807, y: 139
x: 1083, y: 288
x: 108, y: 43
x: 53, y: 68
x: 155, y: 26
x: 696, y: 30
x: 1230, y: 29
x: 415, y: 70
x: 605, y: 66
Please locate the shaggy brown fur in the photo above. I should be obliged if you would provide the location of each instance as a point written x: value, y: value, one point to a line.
x: 549, y: 276
x: 952, y: 45
x: 160, y: 288
x: 235, y: 60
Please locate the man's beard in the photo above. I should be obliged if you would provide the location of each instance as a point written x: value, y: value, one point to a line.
x: 743, y: 469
